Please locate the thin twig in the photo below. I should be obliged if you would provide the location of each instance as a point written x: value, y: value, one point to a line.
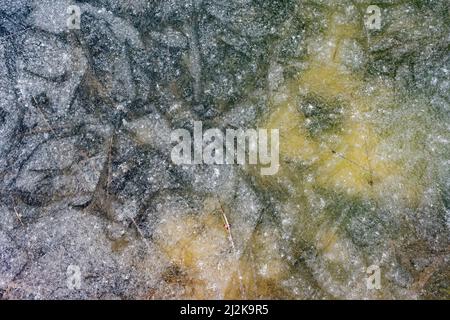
x: 18, y: 215
x: 140, y: 232
x: 227, y: 227
x: 108, y: 181
x: 368, y: 161
x: 428, y: 272
x: 230, y: 238
x: 15, y: 211
x: 349, y: 160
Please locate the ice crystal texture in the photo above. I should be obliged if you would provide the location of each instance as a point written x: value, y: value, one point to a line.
x: 86, y: 177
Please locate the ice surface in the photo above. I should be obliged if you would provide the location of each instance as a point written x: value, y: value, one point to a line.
x: 86, y: 178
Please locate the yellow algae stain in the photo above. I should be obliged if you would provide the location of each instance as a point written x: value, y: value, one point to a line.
x: 351, y: 163
x: 333, y: 246
x: 294, y: 142
x: 327, y: 241
x: 262, y: 269
x: 326, y: 75
x: 119, y: 245
x: 349, y: 159
x: 199, y: 246
x: 327, y: 80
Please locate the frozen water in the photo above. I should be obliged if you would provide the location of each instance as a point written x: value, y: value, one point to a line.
x: 87, y: 182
